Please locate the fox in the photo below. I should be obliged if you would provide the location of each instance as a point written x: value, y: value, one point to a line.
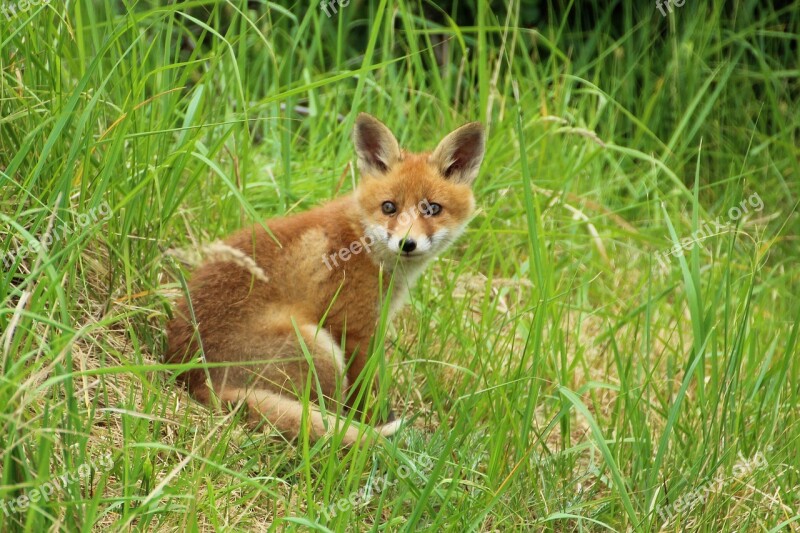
x: 288, y: 307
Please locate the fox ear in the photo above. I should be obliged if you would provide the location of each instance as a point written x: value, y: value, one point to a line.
x: 458, y: 157
x: 376, y: 148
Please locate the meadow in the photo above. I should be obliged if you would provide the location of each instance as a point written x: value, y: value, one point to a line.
x: 611, y: 345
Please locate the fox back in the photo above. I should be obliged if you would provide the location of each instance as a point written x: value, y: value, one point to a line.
x: 318, y: 279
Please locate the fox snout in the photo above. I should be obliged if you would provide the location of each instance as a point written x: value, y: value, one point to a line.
x: 409, y: 242
x: 408, y: 234
x: 410, y: 245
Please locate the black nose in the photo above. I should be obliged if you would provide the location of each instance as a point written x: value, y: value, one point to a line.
x: 408, y: 245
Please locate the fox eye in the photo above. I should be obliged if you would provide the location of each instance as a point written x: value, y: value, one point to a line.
x: 388, y: 208
x: 433, y: 210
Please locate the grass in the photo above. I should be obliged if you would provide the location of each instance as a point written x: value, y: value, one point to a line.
x: 559, y: 375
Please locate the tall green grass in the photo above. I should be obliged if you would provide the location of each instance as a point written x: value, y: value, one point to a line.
x: 556, y: 374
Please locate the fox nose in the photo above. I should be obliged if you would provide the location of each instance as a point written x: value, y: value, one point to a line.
x: 408, y: 245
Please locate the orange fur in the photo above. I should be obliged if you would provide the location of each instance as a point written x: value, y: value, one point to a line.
x: 252, y: 291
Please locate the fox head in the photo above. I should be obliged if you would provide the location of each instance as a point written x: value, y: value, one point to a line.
x: 413, y: 206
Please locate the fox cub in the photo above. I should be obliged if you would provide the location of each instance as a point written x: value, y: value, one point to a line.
x: 319, y: 279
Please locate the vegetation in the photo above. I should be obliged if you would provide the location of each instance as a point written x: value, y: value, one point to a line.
x: 559, y: 371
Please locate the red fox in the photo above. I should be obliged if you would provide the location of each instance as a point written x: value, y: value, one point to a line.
x: 319, y: 280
